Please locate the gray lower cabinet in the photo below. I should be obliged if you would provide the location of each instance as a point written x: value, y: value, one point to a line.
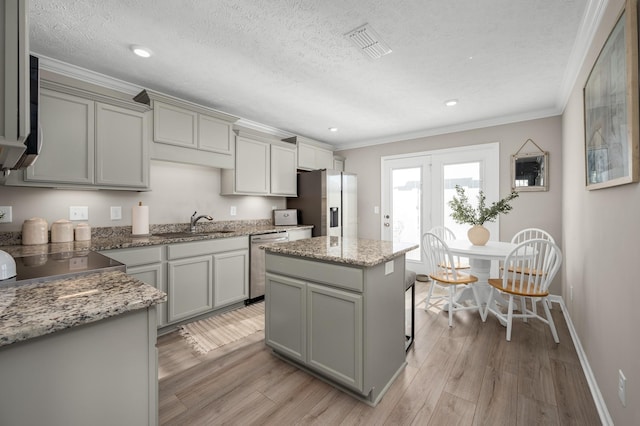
x: 103, y: 373
x: 342, y: 322
x: 148, y: 264
x: 230, y: 277
x: 190, y: 287
x: 334, y: 329
x: 316, y: 325
x: 198, y: 277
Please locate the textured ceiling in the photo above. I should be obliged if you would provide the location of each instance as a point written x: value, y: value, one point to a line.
x: 287, y: 64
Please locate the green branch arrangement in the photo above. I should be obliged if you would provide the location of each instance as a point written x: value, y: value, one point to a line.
x: 464, y: 212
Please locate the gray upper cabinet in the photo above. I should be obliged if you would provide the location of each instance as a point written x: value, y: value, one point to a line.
x: 89, y: 140
x: 14, y: 81
x: 121, y: 131
x: 263, y: 166
x: 185, y: 132
x: 312, y: 155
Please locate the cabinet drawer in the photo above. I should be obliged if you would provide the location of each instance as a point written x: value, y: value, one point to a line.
x: 197, y: 248
x: 136, y: 256
x: 347, y: 277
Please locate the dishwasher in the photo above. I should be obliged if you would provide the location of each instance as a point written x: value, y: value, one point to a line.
x: 257, y: 259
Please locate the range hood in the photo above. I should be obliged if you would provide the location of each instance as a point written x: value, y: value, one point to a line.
x: 21, y: 153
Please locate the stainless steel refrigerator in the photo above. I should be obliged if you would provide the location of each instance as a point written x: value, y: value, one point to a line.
x: 327, y: 199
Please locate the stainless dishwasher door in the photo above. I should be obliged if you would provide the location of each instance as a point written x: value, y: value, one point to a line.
x: 257, y: 275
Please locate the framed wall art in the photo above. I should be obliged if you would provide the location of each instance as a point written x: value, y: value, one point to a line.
x: 611, y: 107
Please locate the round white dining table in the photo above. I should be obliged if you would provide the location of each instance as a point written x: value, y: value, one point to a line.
x: 480, y: 258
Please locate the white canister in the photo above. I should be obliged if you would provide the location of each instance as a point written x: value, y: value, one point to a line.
x: 83, y: 232
x: 35, y: 231
x: 61, y: 231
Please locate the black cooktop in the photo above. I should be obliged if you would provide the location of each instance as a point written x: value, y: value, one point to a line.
x: 61, y: 265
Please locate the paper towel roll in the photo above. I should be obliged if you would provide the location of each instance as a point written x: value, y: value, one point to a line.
x: 140, y: 220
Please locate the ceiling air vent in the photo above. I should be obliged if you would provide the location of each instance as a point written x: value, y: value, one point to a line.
x: 368, y: 41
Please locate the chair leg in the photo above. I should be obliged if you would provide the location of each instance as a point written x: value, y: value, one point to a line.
x: 509, y: 317
x: 426, y: 302
x: 451, y: 302
x: 552, y: 325
x: 523, y: 308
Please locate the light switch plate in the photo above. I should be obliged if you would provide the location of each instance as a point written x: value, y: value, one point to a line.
x: 8, y: 214
x: 116, y: 212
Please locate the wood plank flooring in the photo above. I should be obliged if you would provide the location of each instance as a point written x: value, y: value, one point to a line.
x: 464, y: 375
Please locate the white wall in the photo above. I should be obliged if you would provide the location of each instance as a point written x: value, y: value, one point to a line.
x: 531, y: 209
x: 177, y: 191
x: 600, y: 237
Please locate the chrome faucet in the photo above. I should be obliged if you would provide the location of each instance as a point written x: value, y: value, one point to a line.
x: 195, y: 220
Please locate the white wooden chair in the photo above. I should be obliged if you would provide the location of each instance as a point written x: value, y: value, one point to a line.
x: 528, y: 271
x: 445, y: 275
x: 531, y: 234
x: 446, y: 234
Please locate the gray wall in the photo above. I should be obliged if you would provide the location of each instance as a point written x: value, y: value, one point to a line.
x: 177, y: 191
x: 600, y: 237
x: 531, y: 209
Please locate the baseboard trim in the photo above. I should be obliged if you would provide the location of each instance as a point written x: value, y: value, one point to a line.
x: 605, y: 417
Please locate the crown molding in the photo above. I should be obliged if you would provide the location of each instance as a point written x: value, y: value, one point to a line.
x: 593, y: 14
x: 472, y: 125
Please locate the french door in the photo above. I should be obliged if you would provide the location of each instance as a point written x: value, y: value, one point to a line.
x: 417, y: 188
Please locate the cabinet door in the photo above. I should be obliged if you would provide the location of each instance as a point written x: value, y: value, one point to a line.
x: 174, y: 125
x: 286, y: 316
x: 283, y: 171
x: 153, y: 275
x: 214, y: 135
x: 231, y: 277
x: 121, y: 142
x: 324, y: 159
x: 306, y: 157
x: 189, y: 287
x: 334, y: 334
x: 68, y: 130
x: 252, y: 166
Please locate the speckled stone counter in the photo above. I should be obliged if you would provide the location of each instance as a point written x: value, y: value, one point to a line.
x: 356, y: 251
x: 116, y: 238
x: 32, y: 310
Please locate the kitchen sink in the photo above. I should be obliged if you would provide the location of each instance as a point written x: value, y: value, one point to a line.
x: 187, y: 234
x: 178, y: 234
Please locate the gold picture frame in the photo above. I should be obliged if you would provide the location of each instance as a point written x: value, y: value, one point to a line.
x: 611, y: 107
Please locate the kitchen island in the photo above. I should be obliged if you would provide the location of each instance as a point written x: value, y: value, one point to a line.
x: 335, y: 308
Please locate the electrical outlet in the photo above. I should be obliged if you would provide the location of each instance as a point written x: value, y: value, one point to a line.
x: 8, y: 214
x: 116, y: 212
x: 79, y: 213
x: 376, y: 210
x: 622, y: 388
x: 233, y: 211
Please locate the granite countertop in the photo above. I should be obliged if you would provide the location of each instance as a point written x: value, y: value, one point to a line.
x: 32, y: 310
x: 351, y: 251
x: 117, y: 240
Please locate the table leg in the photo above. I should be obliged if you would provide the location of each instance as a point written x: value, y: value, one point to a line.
x: 481, y: 268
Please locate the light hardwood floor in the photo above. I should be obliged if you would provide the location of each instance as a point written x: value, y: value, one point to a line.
x: 464, y: 375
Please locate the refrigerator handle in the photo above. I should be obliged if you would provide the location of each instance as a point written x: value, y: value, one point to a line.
x: 333, y: 219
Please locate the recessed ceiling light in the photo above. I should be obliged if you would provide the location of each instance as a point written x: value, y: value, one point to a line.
x: 333, y: 129
x: 141, y: 51
x: 451, y: 102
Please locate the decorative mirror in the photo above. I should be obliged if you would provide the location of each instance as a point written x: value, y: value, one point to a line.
x: 529, y: 171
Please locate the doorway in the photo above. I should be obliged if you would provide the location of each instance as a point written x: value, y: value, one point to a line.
x: 417, y: 188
